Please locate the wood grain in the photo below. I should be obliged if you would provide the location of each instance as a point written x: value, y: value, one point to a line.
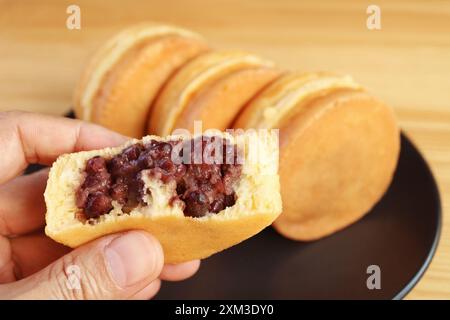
x: 406, y: 63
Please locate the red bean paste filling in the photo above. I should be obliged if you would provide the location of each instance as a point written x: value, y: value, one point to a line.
x: 202, y: 188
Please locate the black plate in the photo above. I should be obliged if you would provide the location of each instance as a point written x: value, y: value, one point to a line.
x: 399, y: 235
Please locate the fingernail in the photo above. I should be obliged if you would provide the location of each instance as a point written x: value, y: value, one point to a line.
x: 133, y: 257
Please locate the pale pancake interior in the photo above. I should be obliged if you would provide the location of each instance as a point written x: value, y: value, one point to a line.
x: 183, y: 238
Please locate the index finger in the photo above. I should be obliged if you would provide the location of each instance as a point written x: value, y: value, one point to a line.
x: 34, y: 138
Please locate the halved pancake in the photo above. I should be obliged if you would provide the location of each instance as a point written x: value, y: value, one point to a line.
x: 202, y: 90
x: 140, y: 185
x: 338, y: 150
x: 119, y: 85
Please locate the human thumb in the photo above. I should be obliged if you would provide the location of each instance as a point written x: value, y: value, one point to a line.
x: 118, y: 266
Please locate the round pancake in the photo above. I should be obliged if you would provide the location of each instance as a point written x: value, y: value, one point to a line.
x: 217, y: 105
x: 338, y: 150
x: 190, y: 80
x: 118, y: 87
x: 281, y: 99
x: 344, y: 150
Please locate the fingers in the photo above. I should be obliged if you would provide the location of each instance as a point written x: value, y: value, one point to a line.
x: 178, y: 272
x: 7, y: 265
x: 148, y: 292
x: 117, y: 266
x: 33, y: 138
x: 170, y: 272
x: 22, y: 207
x: 34, y: 252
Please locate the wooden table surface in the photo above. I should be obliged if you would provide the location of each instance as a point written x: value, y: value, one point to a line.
x: 406, y: 63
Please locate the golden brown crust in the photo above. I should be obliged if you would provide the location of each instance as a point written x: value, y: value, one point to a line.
x: 182, y: 238
x: 345, y: 154
x: 338, y: 151
x: 186, y: 85
x: 280, y: 100
x: 118, y: 87
x: 218, y: 104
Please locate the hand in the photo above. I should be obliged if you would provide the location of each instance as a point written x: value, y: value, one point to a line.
x: 126, y: 265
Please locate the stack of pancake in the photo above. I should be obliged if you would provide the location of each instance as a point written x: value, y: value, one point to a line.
x: 339, y: 146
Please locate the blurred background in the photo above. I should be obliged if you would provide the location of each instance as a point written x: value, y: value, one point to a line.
x: 406, y: 63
